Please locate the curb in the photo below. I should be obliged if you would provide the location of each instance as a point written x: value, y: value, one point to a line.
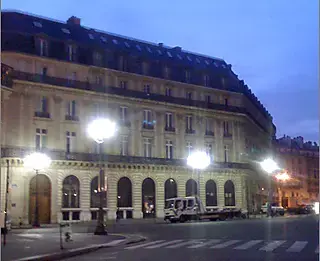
x: 129, y: 239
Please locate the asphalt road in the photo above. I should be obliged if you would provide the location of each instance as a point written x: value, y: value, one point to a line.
x: 276, y: 239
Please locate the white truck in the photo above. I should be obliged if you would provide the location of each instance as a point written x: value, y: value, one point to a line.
x: 183, y: 209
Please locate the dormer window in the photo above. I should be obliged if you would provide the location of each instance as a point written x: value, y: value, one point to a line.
x: 197, y: 59
x: 138, y: 47
x: 43, y: 47
x: 224, y: 66
x: 126, y: 44
x: 91, y: 36
x: 187, y: 76
x: 122, y: 63
x: 65, y: 30
x: 37, y: 24
x: 103, y: 39
x: 97, y: 58
x: 71, y: 53
x: 216, y: 64
x: 159, y: 52
x: 166, y: 72
x: 189, y: 58
x: 115, y: 41
x: 206, y: 80
x: 179, y: 56
x: 207, y: 62
x: 169, y: 54
x: 145, y: 68
x: 149, y: 50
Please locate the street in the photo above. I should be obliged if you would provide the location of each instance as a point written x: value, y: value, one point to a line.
x: 279, y: 238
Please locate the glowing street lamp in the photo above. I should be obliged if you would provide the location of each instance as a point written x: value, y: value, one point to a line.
x: 198, y: 160
x: 37, y: 161
x: 269, y: 166
x: 100, y: 130
x: 282, y: 176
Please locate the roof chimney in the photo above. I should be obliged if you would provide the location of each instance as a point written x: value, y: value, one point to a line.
x: 177, y: 48
x: 74, y: 20
x: 160, y: 44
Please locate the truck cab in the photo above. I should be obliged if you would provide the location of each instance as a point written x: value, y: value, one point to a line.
x: 183, y: 209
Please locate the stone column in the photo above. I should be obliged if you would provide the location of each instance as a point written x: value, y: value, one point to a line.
x: 85, y: 197
x: 111, y: 194
x: 181, y: 184
x: 220, y: 190
x: 160, y: 196
x: 137, y: 195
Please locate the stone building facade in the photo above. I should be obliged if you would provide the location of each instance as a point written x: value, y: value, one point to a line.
x: 166, y: 102
x: 301, y: 161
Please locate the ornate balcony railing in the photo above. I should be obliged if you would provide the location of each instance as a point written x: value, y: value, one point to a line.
x: 106, y: 158
x: 130, y: 93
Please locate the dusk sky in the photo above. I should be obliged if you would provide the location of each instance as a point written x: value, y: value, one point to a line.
x: 272, y: 44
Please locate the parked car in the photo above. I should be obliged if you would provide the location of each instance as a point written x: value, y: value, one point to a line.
x: 275, y: 209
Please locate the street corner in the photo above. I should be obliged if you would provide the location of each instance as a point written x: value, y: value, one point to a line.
x: 113, y: 241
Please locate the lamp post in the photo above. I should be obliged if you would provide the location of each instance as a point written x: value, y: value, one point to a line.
x: 281, y: 178
x: 100, y: 130
x: 37, y: 161
x: 198, y: 160
x: 269, y: 166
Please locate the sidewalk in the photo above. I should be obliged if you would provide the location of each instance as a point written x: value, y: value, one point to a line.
x: 34, y: 242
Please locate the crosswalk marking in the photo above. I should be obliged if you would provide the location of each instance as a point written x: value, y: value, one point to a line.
x: 185, y: 243
x: 144, y: 245
x: 226, y: 244
x: 258, y: 245
x: 165, y: 244
x: 248, y: 244
x: 272, y: 245
x: 297, y: 246
x: 203, y: 244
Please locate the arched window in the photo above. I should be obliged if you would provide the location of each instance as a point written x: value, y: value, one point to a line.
x: 95, y: 194
x: 191, y: 188
x: 229, y: 196
x: 148, y: 198
x: 211, y: 193
x: 124, y: 193
x: 170, y: 189
x: 71, y: 192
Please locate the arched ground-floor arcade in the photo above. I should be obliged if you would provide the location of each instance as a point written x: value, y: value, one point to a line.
x: 69, y: 191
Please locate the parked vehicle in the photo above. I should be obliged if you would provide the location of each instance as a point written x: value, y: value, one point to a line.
x: 275, y: 209
x: 183, y: 209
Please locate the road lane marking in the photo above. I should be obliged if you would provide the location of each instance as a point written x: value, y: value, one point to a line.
x: 272, y: 245
x: 185, y: 243
x: 203, y: 244
x: 165, y: 244
x: 248, y: 244
x: 297, y: 246
x: 145, y: 244
x: 226, y: 244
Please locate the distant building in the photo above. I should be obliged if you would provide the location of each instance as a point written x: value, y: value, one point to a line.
x: 301, y: 160
x: 166, y: 101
